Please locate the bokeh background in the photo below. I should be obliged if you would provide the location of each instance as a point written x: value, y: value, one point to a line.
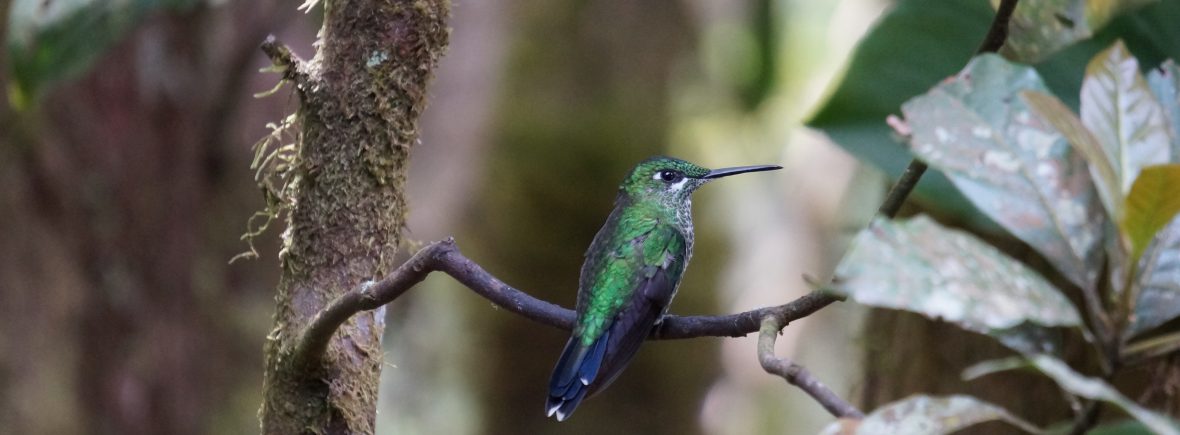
x: 125, y: 188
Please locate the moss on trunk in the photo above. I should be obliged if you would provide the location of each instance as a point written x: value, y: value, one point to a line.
x: 360, y: 100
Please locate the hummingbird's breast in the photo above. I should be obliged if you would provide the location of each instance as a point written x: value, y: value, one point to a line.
x: 683, y: 218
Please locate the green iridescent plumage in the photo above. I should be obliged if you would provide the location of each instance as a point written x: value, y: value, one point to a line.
x: 630, y: 275
x: 642, y: 240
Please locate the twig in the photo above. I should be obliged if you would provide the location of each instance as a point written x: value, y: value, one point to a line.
x: 444, y: 256
x: 740, y: 324
x: 796, y: 374
x: 998, y: 32
x: 905, y: 184
x: 292, y: 67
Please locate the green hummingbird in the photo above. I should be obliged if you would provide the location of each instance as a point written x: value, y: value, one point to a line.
x: 630, y: 275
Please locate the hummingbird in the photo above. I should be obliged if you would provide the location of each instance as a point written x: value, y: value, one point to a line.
x: 630, y: 275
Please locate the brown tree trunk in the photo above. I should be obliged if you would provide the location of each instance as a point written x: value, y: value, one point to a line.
x: 360, y: 99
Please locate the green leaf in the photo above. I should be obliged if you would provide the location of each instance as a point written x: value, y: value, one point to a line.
x: 1153, y: 202
x: 921, y: 414
x: 1119, y: 108
x: 1097, y: 389
x: 53, y: 40
x: 1017, y: 169
x: 950, y: 275
x: 1165, y: 84
x: 1158, y: 282
x: 889, y: 66
x: 1053, y: 111
x: 1040, y: 28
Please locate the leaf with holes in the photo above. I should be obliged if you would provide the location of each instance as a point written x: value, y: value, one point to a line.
x: 1013, y: 166
x: 1121, y: 111
x: 951, y: 275
x: 923, y: 414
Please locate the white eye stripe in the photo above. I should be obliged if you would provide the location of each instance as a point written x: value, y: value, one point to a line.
x: 679, y: 184
x: 657, y: 175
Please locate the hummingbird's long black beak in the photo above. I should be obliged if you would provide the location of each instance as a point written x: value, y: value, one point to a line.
x: 725, y: 172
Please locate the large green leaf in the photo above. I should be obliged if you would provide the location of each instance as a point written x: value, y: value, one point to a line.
x: 919, y: 42
x: 1153, y: 202
x: 52, y: 40
x: 920, y: 414
x: 1165, y: 84
x: 1158, y: 282
x: 891, y: 64
x: 1013, y: 166
x: 1121, y: 111
x: 951, y: 275
x: 1040, y: 28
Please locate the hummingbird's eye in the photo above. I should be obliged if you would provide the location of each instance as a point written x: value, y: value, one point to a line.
x: 669, y: 176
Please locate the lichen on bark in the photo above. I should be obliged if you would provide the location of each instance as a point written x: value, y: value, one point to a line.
x: 360, y: 99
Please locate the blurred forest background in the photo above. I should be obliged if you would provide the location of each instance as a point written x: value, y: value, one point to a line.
x: 125, y: 188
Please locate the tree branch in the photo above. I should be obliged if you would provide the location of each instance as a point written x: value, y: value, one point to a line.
x: 997, y: 34
x: 292, y: 67
x: 444, y: 256
x: 796, y: 374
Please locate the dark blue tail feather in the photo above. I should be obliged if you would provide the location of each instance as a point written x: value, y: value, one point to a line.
x: 576, y: 370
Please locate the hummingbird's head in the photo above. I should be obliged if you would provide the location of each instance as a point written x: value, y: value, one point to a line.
x: 672, y: 181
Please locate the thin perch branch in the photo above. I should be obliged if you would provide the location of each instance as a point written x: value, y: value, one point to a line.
x: 796, y: 374
x: 444, y: 256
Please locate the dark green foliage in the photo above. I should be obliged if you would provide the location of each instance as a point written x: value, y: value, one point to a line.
x: 49, y: 41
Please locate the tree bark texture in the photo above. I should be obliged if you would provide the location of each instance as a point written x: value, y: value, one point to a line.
x: 360, y: 99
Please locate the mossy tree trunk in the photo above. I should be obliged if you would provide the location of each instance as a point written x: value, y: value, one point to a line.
x: 360, y: 99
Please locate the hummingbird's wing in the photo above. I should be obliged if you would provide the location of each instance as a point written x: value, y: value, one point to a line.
x: 664, y: 256
x: 654, y: 262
